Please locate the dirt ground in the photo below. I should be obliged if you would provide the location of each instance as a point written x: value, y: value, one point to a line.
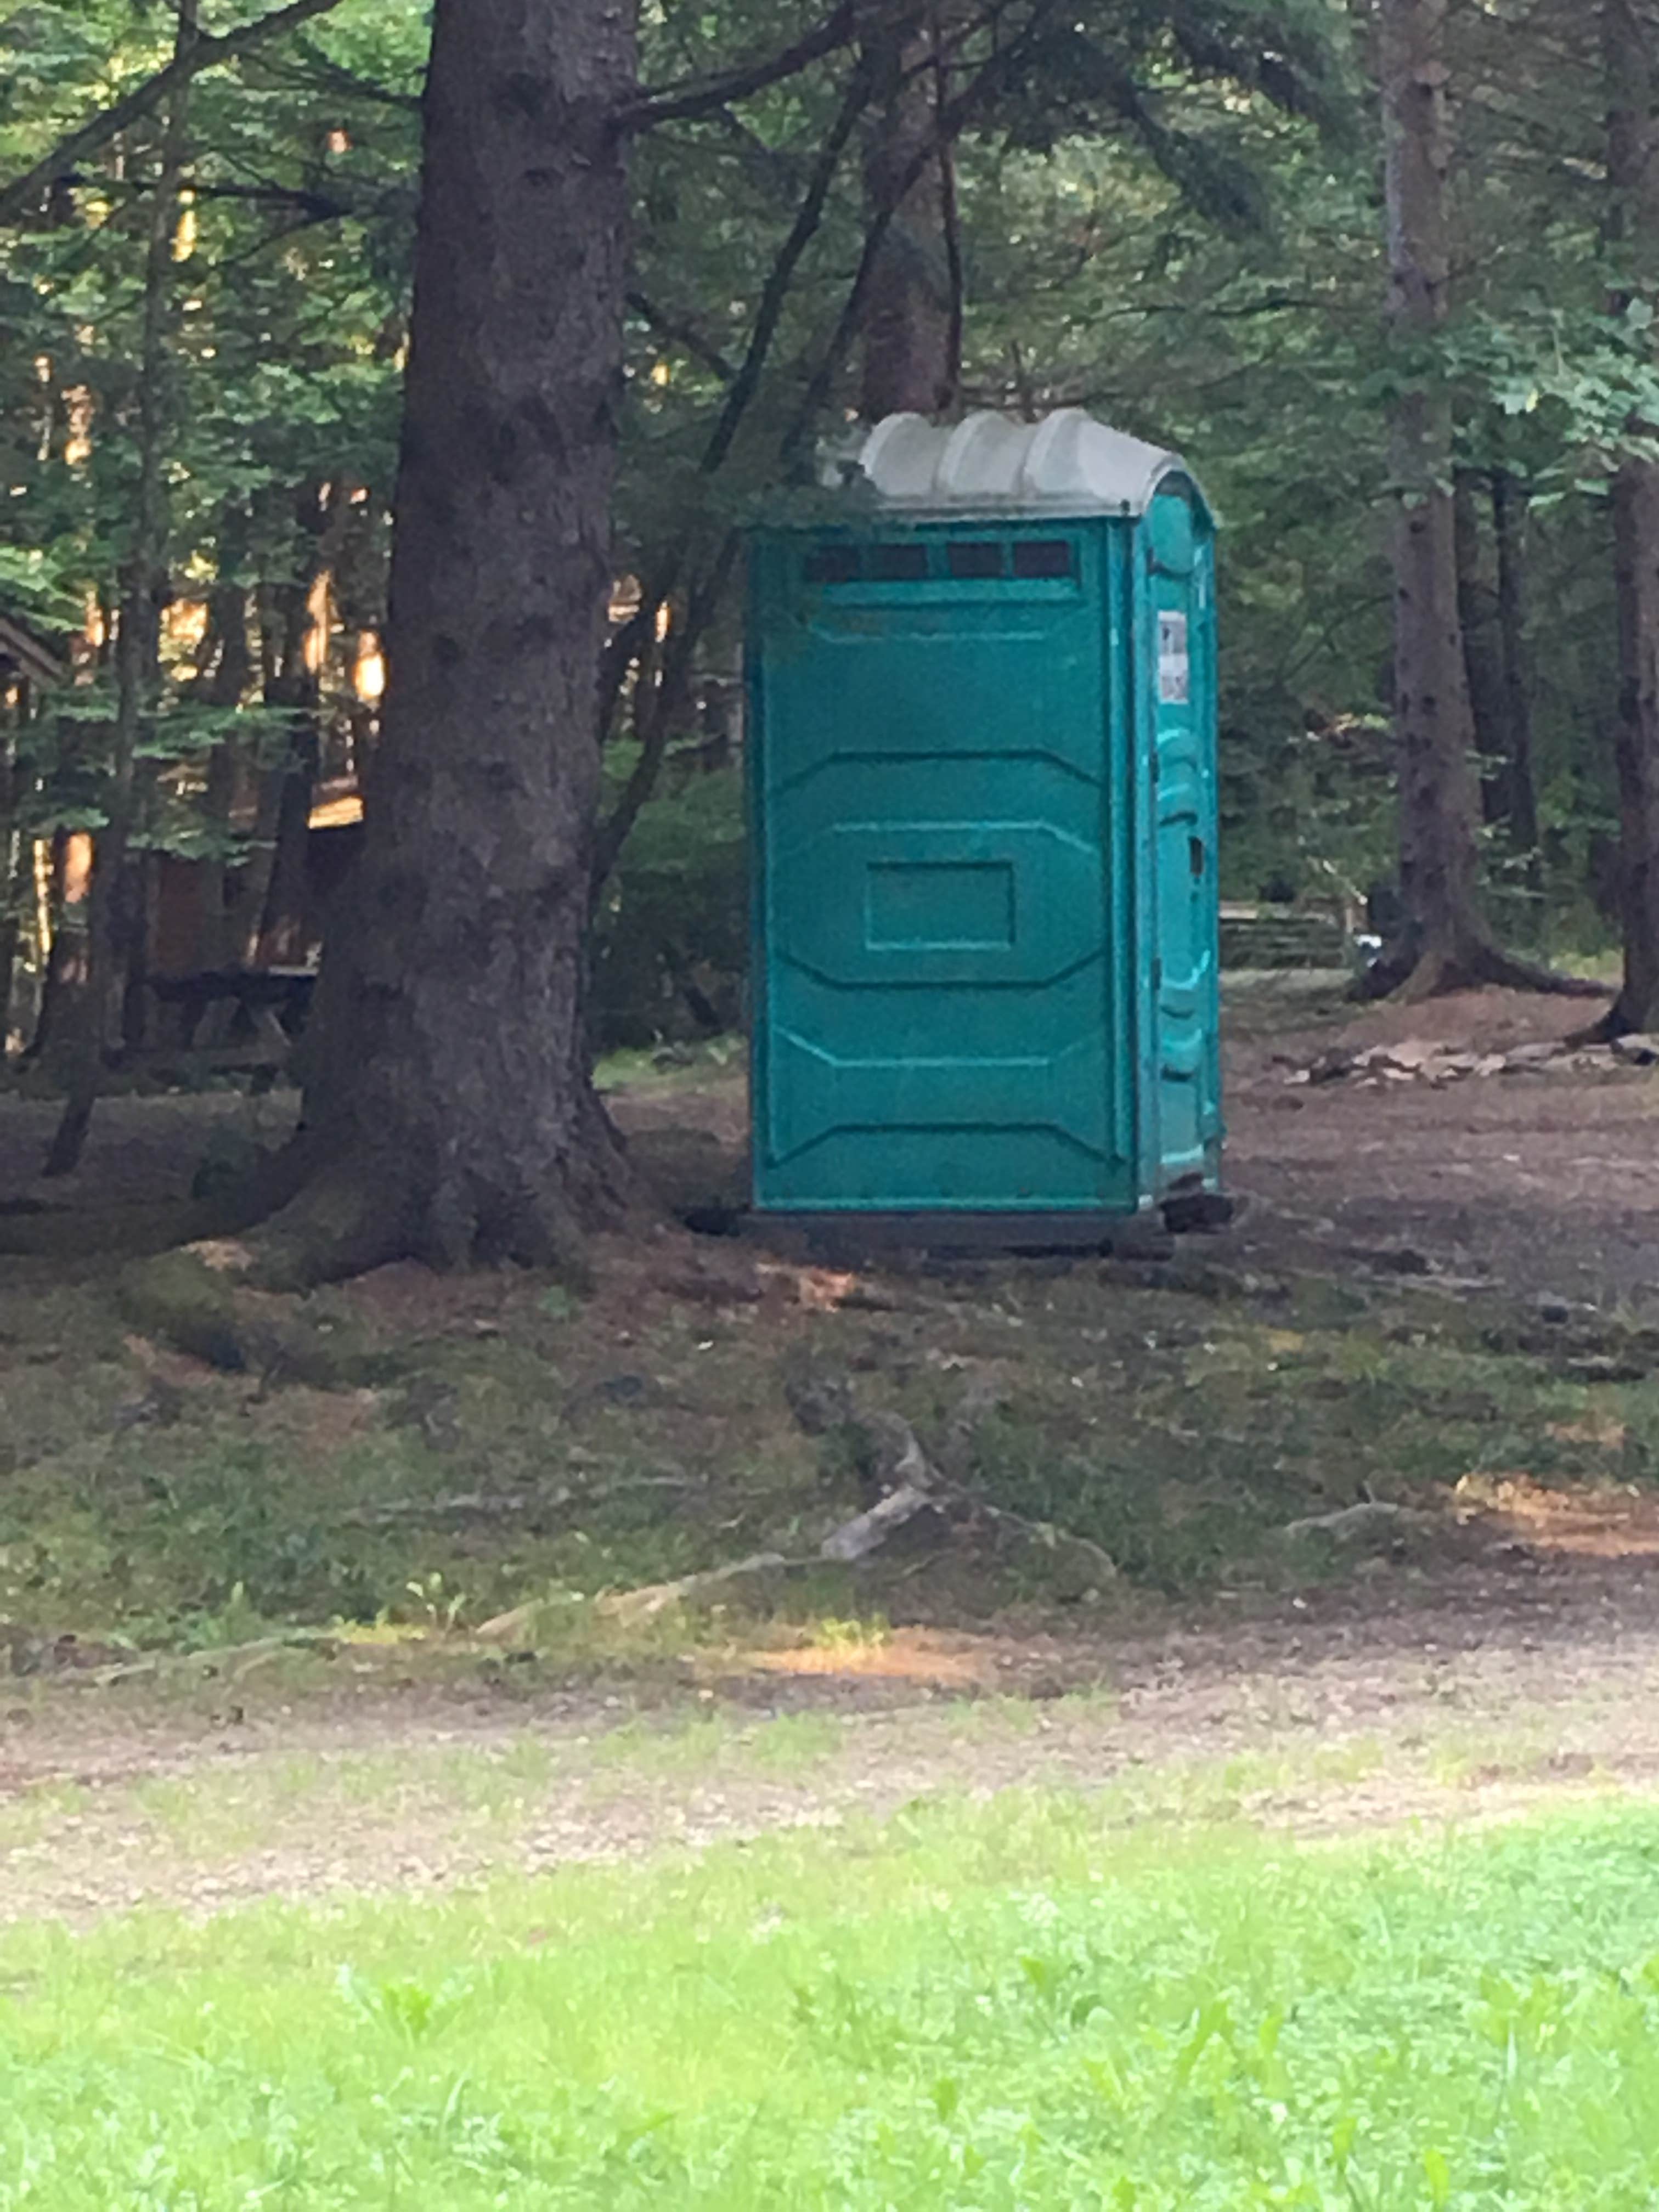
x: 1474, y: 1685
x: 1547, y: 1182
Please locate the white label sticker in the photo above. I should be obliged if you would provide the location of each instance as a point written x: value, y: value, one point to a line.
x: 1174, y: 662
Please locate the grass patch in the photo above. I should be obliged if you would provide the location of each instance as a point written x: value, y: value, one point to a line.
x: 670, y: 1067
x: 997, y: 2007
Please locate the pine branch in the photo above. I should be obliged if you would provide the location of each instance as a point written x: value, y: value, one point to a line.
x: 19, y: 196
x: 950, y: 121
x: 676, y: 103
x: 680, y: 333
x: 860, y: 91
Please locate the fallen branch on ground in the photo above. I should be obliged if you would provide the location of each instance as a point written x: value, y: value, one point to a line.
x: 652, y: 1598
x: 486, y: 1505
x: 910, y: 1483
x: 1371, y: 1516
x: 214, y: 1659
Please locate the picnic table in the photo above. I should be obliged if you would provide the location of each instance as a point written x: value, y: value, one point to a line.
x: 244, y: 1014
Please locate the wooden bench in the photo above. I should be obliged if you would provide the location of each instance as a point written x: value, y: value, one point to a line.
x: 1271, y: 936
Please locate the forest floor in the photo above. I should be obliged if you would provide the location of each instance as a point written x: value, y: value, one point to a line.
x: 290, y: 1631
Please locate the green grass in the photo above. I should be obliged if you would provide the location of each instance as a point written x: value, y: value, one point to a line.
x: 1012, y: 2006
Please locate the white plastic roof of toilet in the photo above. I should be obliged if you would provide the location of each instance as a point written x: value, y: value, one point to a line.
x: 1068, y: 463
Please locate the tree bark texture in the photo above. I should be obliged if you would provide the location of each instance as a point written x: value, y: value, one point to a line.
x: 912, y: 330
x: 447, y: 1105
x: 1434, y: 731
x: 1630, y: 31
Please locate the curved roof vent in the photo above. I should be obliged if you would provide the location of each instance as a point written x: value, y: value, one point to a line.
x: 1065, y: 464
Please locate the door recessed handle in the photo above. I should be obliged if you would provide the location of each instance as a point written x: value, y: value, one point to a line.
x: 1195, y: 855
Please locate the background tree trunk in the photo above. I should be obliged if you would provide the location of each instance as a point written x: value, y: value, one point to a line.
x: 65, y: 949
x: 912, y: 312
x: 10, y: 884
x: 1509, y: 514
x: 1630, y: 35
x: 1483, y: 654
x: 448, y: 1112
x: 1491, y: 610
x: 1446, y: 940
x: 136, y: 645
x: 229, y: 668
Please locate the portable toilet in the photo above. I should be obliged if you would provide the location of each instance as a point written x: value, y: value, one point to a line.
x: 982, y: 780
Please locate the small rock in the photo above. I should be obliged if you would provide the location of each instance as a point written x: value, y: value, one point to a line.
x: 1637, y: 1050
x: 1605, y: 1368
x: 1189, y: 1211
x: 160, y: 1407
x: 433, y: 1406
x: 1523, y: 1056
x: 1394, y: 1258
x: 1413, y: 1052
x: 1140, y: 1237
x: 623, y: 1389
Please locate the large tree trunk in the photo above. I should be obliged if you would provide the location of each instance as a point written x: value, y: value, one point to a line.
x: 448, y: 1113
x: 912, y: 327
x: 1445, y: 942
x: 1630, y: 31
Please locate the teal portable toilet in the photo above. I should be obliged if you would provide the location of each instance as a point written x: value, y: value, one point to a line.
x: 982, y: 780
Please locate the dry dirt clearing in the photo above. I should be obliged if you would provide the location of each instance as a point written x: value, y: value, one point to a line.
x: 1463, y: 1700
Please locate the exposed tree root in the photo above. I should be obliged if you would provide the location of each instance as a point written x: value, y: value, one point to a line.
x: 315, y: 1212
x: 1410, y: 973
x: 238, y: 1658
x: 337, y: 1209
x: 199, y: 1302
x: 1509, y: 969
x: 69, y: 1233
x: 1617, y: 1022
x: 343, y: 1220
